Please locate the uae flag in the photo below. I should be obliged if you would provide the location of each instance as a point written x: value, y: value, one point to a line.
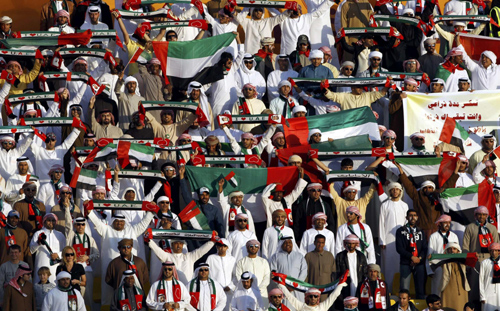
x: 468, y: 259
x: 452, y: 133
x: 101, y: 153
x: 302, y: 286
x: 475, y: 45
x: 417, y: 169
x: 83, y: 179
x: 460, y: 203
x: 136, y: 55
x: 192, y: 215
x: 250, y: 181
x: 127, y: 150
x: 81, y: 38
x: 186, y: 61
x: 344, y: 124
x: 230, y: 178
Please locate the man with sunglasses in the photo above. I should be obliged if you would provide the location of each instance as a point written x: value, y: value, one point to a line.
x: 249, y: 74
x: 168, y: 292
x: 247, y: 294
x: 353, y: 260
x: 222, y: 265
x: 103, y: 125
x: 233, y: 208
x: 375, y: 65
x: 206, y: 294
x: 13, y: 188
x: 47, y: 244
x: 247, y: 105
x: 430, y: 60
x: 240, y: 237
x: 125, y: 261
x: 9, y: 153
x: 84, y: 246
x: 255, y: 264
x: 488, y: 143
x: 417, y: 144
x: 30, y: 210
x: 65, y: 203
x: 282, y: 72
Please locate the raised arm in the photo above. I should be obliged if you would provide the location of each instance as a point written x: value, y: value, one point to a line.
x: 124, y: 31
x: 266, y: 138
x: 143, y: 225
x: 234, y: 144
x: 199, y: 252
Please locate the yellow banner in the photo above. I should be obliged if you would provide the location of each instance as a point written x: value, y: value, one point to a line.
x: 477, y: 112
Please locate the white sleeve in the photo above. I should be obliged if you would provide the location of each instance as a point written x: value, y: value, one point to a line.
x: 70, y: 140
x: 151, y: 298
x: 381, y: 227
x: 371, y: 249
x: 476, y: 174
x: 266, y: 138
x: 151, y: 195
x: 143, y: 225
x: 162, y: 255
x: 296, y: 192
x: 221, y: 298
x: 4, y: 92
x: 99, y: 226
x: 234, y: 144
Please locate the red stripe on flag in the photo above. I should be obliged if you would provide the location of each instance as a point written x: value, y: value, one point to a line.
x: 74, y: 179
x: 92, y: 154
x: 287, y: 176
x: 81, y: 38
x: 471, y: 260
x: 161, y: 52
x: 229, y: 176
x: 475, y: 45
x: 486, y: 198
x: 68, y: 76
x: 496, y: 152
x: 446, y: 168
x: 298, y: 131
x: 136, y: 55
x: 186, y: 210
x: 448, y: 128
x: 122, y: 153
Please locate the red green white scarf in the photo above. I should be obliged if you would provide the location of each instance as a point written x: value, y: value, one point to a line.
x: 366, y: 298
x: 194, y: 292
x: 161, y: 290
x: 124, y: 301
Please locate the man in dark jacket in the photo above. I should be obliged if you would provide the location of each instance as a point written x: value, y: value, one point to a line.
x: 404, y: 303
x: 347, y: 259
x: 411, y: 245
x: 372, y: 292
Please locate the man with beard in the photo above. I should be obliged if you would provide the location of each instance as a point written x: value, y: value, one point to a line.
x: 31, y: 211
x: 204, y: 123
x: 63, y: 296
x: 128, y: 101
x: 104, y: 125
x: 138, y: 129
x: 273, y: 234
x: 13, y: 235
x: 167, y: 292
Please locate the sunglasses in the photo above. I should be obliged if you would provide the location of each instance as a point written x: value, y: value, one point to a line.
x: 254, y: 245
x: 127, y: 246
x: 242, y: 220
x: 171, y: 37
x: 247, y: 89
x: 203, y: 270
x: 70, y: 254
x: 170, y: 169
x: 51, y: 220
x: 277, y: 296
x: 390, y: 138
x: 31, y: 190
x: 314, y: 296
x: 376, y: 59
x: 430, y: 45
x: 185, y: 141
x: 30, y: 116
x: 7, y: 142
x: 349, y: 69
x: 316, y: 135
x: 169, y: 269
x: 65, y: 192
x: 314, y: 190
x: 58, y: 172
x: 249, y: 62
x: 418, y: 139
x: 351, y: 191
x: 51, y: 139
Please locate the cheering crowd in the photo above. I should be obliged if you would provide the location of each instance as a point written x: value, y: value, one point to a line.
x: 120, y: 190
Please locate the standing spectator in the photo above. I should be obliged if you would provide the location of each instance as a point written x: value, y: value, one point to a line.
x: 453, y: 285
x: 281, y: 73
x: 30, y: 210
x: 373, y: 292
x: 274, y: 233
x: 9, y: 268
x: 77, y: 271
x: 404, y: 303
x: 247, y: 295
x: 256, y: 265
x: 129, y: 295
x: 452, y: 69
x: 489, y: 279
x: 223, y: 265
x: 411, y: 245
x: 13, y: 235
x: 319, y: 221
x: 320, y: 264
x: 50, y: 9
x: 167, y: 292
x: 353, y: 260
x: 206, y: 294
x: 63, y: 296
x: 43, y: 287
x: 430, y: 60
x: 362, y: 231
x: 19, y: 294
x: 5, y: 27
x: 247, y: 105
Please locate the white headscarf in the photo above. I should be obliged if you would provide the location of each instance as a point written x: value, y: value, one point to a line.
x: 203, y: 97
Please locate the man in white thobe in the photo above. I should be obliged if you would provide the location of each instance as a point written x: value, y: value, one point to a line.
x: 222, y: 265
x: 361, y: 230
x: 319, y: 227
x: 240, y: 237
x: 489, y: 285
x: 168, y: 292
x: 273, y: 234
x: 63, y: 296
x: 392, y: 216
x: 284, y: 72
x: 437, y: 243
x: 203, y: 289
x: 256, y: 265
x: 278, y: 197
x: 247, y: 295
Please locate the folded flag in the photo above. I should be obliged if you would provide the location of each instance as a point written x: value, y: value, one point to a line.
x: 140, y: 174
x: 302, y: 286
x: 193, y: 216
x: 82, y: 38
x: 230, y: 178
x: 420, y: 169
x: 186, y: 61
x: 468, y: 259
x: 454, y: 134
x: 84, y: 179
x: 180, y: 234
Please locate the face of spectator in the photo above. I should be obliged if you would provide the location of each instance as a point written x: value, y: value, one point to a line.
x: 497, y: 195
x: 299, y: 114
x: 350, y: 305
x: 64, y: 283
x: 411, y: 66
x: 457, y: 59
x: 155, y: 69
x: 118, y: 224
x: 326, y: 58
x: 435, y: 306
x: 412, y: 218
x: 50, y: 143
x: 373, y: 275
x: 164, y: 206
x: 166, y: 223
x: 61, y: 20
x: 30, y: 191
x: 195, y: 94
x: 410, y: 87
x: 126, y: 250
x: 316, y: 61
x: 375, y: 61
x: 203, y: 273
x: 13, y: 67
x: 481, y: 218
x: 278, y: 196
x: 129, y: 281
x: 80, y: 67
x: 356, y: 90
x: 347, y: 70
x: 351, y: 217
x: 14, y: 254
x: 351, y: 247
x: 13, y: 221
x: 131, y: 87
x: 297, y: 164
x: 395, y: 192
x: 285, y: 90
x: 280, y: 142
x: 389, y: 141
x: 319, y: 223
x: 316, y: 138
x: 204, y: 197
x: 242, y: 223
x: 50, y: 223
x: 44, y: 277
x: 444, y: 226
x: 485, y: 61
x: 80, y: 227
x: 171, y: 36
x: 494, y: 253
x: 437, y: 88
x: 276, y: 300
x: 166, y: 118
x: 312, y: 300
x: 404, y: 299
x: 169, y: 171
x: 314, y: 193
x: 89, y: 142
x: 283, y: 64
x: 75, y: 112
x: 177, y: 247
x: 248, y: 92
x: 463, y: 86
x: 94, y: 17
x: 430, y: 48
x: 106, y: 118
x: 427, y: 190
x: 418, y: 141
x: 130, y: 195
x: 223, y: 19
x: 367, y: 42
x: 253, y: 249
x: 350, y: 195
x: 489, y: 171
x: 303, y: 47
x: 249, y: 64
x: 237, y: 200
x: 257, y: 13
x: 168, y: 272
x: 23, y: 168
x: 247, y: 142
x: 5, y: 27
x: 319, y: 244
x: 221, y: 249
x: 247, y: 283
x: 279, y: 219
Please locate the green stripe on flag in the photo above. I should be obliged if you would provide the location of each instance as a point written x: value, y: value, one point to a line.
x: 419, y: 161
x: 457, y: 192
x: 199, y: 48
x: 463, y: 133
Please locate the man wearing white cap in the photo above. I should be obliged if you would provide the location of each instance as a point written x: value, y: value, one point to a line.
x: 248, y: 104
x: 10, y: 152
x: 417, y: 144
x: 63, y: 296
x: 128, y: 101
x: 319, y: 227
x: 459, y: 27
x: 362, y: 231
x: 284, y: 104
x: 247, y: 295
x: 168, y: 292
x: 283, y: 72
x: 488, y: 143
x: 240, y: 236
x: 392, y: 216
x: 93, y: 20
x: 274, y: 233
x: 13, y: 192
x: 485, y: 74
x: 437, y: 244
x: 222, y: 265
x: 430, y: 60
x: 489, y: 276
x: 315, y: 70
x: 47, y: 256
x: 437, y: 85
x: 248, y: 74
x: 464, y: 84
x: 235, y: 207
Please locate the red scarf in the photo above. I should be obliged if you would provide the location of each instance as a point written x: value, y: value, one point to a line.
x: 413, y: 244
x: 262, y: 54
x: 306, y: 53
x: 485, y: 238
x: 366, y: 297
x: 194, y: 292
x: 496, y: 271
x: 161, y: 290
x: 243, y: 106
x: 126, y: 302
x: 450, y: 67
x: 168, y: 190
x: 282, y: 307
x: 34, y: 213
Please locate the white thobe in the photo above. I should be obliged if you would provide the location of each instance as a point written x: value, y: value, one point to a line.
x: 223, y: 93
x: 481, y: 78
x: 290, y: 198
x: 221, y: 135
x: 255, y: 106
x: 321, y: 34
x: 244, y: 299
x: 184, y: 12
x: 451, y: 83
x: 155, y: 264
x: 47, y: 195
x: 292, y: 28
x: 99, y: 26
x: 8, y: 163
x: 238, y: 240
x: 392, y: 216
x: 205, y: 299
x: 259, y: 267
x: 67, y: 29
x: 464, y: 180
x: 270, y: 240
x: 56, y: 241
x: 226, y: 209
x: 352, y: 258
x: 222, y: 271
x: 152, y: 299
x: 274, y: 78
x: 245, y: 75
x: 436, y: 246
x: 307, y: 242
x: 109, y: 245
x: 255, y: 30
x: 343, y: 232
x: 218, y: 28
x: 14, y: 184
x: 302, y: 306
x: 184, y: 263
x: 488, y: 291
x: 58, y: 300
